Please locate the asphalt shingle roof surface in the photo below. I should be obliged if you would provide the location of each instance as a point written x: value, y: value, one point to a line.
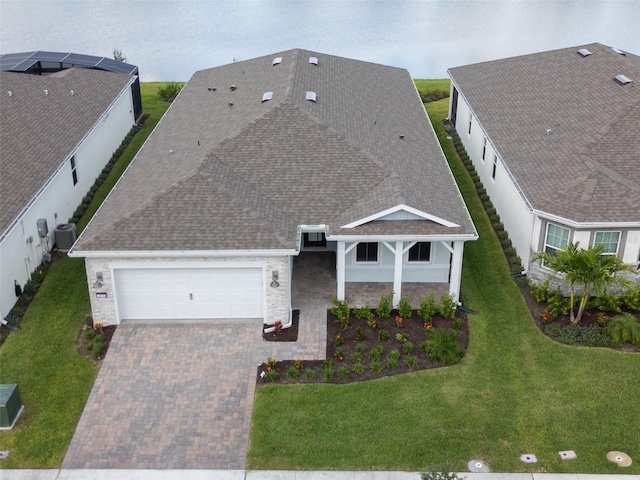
x: 226, y: 171
x: 588, y: 168
x: 38, y: 132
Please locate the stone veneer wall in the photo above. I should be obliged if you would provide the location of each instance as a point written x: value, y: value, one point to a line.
x: 104, y: 309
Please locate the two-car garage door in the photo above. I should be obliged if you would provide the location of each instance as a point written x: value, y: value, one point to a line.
x: 189, y: 293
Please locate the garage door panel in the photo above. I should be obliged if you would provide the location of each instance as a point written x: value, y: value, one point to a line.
x: 198, y: 293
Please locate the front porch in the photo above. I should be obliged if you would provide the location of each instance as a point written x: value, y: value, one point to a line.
x: 314, y: 283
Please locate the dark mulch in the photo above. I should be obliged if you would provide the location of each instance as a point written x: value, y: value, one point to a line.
x: 589, y: 317
x: 84, y: 346
x: 285, y: 334
x: 413, y: 327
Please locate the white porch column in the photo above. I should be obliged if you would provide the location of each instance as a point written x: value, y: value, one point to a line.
x: 340, y: 254
x: 456, y: 270
x: 397, y: 274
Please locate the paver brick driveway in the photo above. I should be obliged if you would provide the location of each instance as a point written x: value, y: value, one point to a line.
x: 171, y: 396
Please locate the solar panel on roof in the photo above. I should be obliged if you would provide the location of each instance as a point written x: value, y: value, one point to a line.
x: 49, y: 56
x: 24, y: 65
x: 84, y: 60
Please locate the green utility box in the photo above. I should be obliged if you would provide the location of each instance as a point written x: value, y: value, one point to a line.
x: 10, y: 405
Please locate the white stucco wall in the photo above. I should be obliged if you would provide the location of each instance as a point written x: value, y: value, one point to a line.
x: 277, y: 300
x: 59, y: 198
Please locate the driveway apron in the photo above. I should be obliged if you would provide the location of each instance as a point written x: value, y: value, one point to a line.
x: 171, y: 396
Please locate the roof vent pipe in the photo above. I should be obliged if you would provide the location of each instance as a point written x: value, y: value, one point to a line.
x: 71, y: 92
x: 46, y: 92
x: 9, y: 93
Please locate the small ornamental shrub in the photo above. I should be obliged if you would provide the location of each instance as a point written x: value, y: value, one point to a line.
x: 541, y: 291
x: 170, y: 91
x: 553, y: 330
x: 442, y: 346
x: 402, y: 337
x: 594, y: 336
x: 359, y: 348
x: 547, y: 316
x: 558, y: 305
x: 363, y: 313
x: 631, y: 299
x: 392, y: 363
x: 357, y: 334
x: 356, y: 357
x: 376, y: 366
x: 447, y: 306
x: 608, y: 303
x: 411, y: 361
x: 89, y: 335
x: 339, y: 355
x: 569, y: 334
x: 271, y: 375
x: 271, y: 362
x: 338, y: 340
x: 624, y: 328
x: 456, y: 324
x: 395, y: 354
x: 293, y: 372
x: 383, y: 335
x: 358, y: 368
x: 98, y: 345
x: 341, y: 310
x: 404, y: 308
x: 372, y: 324
x: 428, y: 307
x: 602, y: 318
x: 328, y: 372
x: 343, y: 372
x: 326, y: 363
x: 407, y: 347
x: 385, y: 306
x: 298, y: 364
x: 310, y: 373
x: 375, y: 354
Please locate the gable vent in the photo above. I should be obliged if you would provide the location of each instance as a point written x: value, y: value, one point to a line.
x: 313, y: 60
x: 622, y: 79
x: 618, y: 51
x: 266, y: 96
x: 584, y: 52
x: 277, y: 61
x: 311, y: 96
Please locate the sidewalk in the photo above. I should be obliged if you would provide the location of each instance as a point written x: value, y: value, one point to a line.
x: 69, y: 474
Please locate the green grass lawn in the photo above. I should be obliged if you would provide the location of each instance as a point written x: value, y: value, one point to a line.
x: 515, y: 392
x: 54, y: 380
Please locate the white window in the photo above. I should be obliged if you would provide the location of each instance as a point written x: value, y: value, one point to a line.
x: 484, y: 147
x: 367, y: 252
x: 557, y: 239
x: 610, y: 241
x: 420, y: 253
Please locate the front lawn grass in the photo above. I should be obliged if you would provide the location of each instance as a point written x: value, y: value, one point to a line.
x: 515, y: 392
x: 53, y: 379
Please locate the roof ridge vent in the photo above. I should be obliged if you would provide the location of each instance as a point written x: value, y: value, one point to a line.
x: 618, y: 51
x: 622, y: 79
x: 266, y: 96
x: 584, y: 52
x: 313, y: 60
x: 311, y: 96
x: 276, y: 61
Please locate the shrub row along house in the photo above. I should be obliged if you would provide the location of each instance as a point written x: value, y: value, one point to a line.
x: 256, y: 163
x: 63, y: 115
x: 555, y: 139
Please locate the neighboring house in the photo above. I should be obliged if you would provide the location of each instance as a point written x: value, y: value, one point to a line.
x: 258, y: 161
x: 57, y: 132
x: 555, y: 138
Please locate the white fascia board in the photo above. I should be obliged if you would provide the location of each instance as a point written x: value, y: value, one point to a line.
x: 574, y: 224
x: 403, y: 238
x: 313, y: 228
x: 397, y: 208
x: 182, y: 253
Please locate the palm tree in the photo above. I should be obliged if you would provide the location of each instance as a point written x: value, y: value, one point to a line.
x: 590, y: 271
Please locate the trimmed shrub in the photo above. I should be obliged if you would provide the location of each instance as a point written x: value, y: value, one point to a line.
x: 623, y: 328
x: 442, y: 346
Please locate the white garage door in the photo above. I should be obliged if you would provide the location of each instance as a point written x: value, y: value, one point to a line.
x: 184, y: 293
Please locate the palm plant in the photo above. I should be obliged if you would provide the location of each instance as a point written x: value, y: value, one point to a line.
x: 590, y: 271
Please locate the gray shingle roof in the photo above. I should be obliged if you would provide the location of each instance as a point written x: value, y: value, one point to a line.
x: 224, y: 170
x: 588, y: 168
x: 38, y: 132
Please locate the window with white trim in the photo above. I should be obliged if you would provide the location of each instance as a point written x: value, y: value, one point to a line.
x: 610, y: 241
x: 74, y: 171
x: 484, y: 147
x: 557, y: 238
x: 367, y: 252
x: 470, y: 122
x: 420, y: 252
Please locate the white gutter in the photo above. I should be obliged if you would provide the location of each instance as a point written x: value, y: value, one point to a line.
x: 403, y: 238
x: 181, y: 253
x: 574, y: 224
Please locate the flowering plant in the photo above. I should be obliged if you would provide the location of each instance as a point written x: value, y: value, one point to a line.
x: 399, y: 321
x: 372, y: 324
x: 339, y: 340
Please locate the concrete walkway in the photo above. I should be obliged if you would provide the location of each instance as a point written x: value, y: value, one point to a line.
x: 65, y: 474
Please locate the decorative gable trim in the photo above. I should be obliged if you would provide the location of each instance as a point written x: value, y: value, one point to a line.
x: 406, y: 208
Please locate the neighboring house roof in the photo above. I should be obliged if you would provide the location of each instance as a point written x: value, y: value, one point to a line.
x: 39, y: 131
x: 41, y: 62
x: 587, y: 168
x: 225, y: 170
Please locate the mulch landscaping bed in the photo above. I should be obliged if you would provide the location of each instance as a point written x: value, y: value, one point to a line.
x: 84, y: 345
x: 339, y: 357
x: 285, y: 334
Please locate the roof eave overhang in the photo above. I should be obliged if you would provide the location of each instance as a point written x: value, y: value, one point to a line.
x: 574, y: 224
x: 180, y: 253
x: 465, y: 237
